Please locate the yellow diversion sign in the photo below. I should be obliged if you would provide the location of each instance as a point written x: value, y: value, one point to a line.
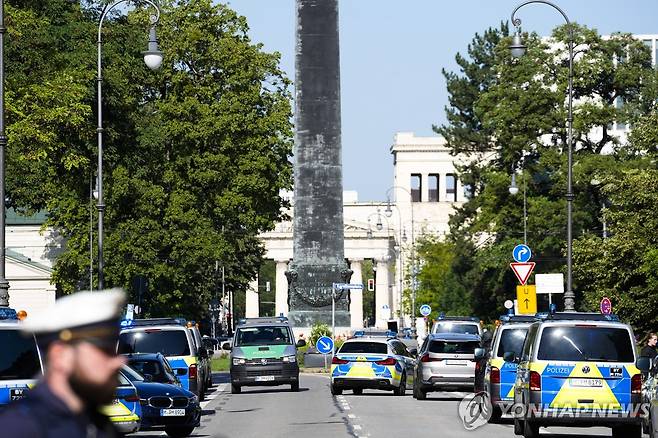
x: 526, y: 298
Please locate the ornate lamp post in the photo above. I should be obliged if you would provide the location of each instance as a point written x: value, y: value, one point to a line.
x: 153, y: 59
x: 517, y: 49
x: 388, y: 212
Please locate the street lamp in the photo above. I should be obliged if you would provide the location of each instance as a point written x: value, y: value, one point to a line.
x: 518, y: 49
x: 514, y: 190
x: 153, y: 59
x: 388, y: 212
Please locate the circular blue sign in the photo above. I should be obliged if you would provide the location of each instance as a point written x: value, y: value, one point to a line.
x: 325, y: 345
x: 425, y: 309
x: 521, y: 253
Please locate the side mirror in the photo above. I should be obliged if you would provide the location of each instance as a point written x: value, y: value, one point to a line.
x: 480, y: 353
x: 148, y: 377
x: 644, y: 364
x: 301, y: 343
x: 509, y: 356
x: 181, y: 371
x: 226, y: 346
x: 413, y: 352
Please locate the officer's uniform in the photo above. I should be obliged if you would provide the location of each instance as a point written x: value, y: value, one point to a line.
x: 88, y: 316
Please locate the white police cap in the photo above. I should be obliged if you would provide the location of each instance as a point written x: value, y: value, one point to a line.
x: 78, y: 315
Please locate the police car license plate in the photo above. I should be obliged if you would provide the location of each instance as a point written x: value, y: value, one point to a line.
x: 586, y: 383
x: 172, y: 412
x: 264, y: 378
x: 17, y: 394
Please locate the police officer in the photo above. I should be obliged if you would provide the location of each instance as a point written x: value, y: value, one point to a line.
x: 649, y: 350
x: 77, y: 340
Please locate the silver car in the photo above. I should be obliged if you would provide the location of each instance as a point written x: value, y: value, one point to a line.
x: 447, y: 361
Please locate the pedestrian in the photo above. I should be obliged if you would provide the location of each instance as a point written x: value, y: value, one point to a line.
x: 77, y: 339
x: 649, y: 350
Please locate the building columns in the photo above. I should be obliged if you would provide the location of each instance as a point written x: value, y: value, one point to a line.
x: 251, y: 309
x: 281, y: 295
x: 382, y: 293
x: 356, y: 295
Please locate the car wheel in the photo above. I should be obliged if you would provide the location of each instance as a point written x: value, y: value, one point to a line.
x: 235, y: 389
x: 419, y: 394
x: 518, y: 427
x: 357, y: 391
x: 179, y: 432
x: 530, y: 429
x: 294, y: 387
x: 402, y: 389
x: 627, y: 431
x: 335, y: 391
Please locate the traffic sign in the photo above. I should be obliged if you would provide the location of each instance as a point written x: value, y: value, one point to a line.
x: 521, y: 253
x: 522, y: 271
x: 549, y: 283
x: 508, y: 304
x: 526, y: 297
x: 425, y: 309
x: 343, y: 286
x: 606, y: 306
x: 325, y: 345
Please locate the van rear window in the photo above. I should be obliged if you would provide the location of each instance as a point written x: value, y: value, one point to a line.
x: 453, y: 347
x: 167, y: 342
x: 19, y: 358
x: 586, y: 343
x: 511, y: 340
x: 455, y: 327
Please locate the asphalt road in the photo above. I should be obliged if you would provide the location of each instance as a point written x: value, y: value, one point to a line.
x: 278, y: 412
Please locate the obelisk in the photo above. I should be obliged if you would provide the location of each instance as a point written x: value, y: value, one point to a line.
x: 318, y: 240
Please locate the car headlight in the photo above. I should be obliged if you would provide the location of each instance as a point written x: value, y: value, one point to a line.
x: 238, y: 361
x: 290, y: 359
x: 194, y: 400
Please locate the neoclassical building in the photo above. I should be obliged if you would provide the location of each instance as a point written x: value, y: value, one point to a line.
x: 424, y: 192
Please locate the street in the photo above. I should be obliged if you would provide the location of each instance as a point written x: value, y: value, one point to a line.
x: 277, y: 412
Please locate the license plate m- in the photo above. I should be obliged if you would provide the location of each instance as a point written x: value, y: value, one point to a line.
x: 586, y: 383
x: 172, y: 412
x: 265, y: 379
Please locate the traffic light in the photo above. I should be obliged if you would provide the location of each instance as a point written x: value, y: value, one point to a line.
x: 371, y: 284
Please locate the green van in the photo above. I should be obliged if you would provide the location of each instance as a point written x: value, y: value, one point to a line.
x: 264, y: 353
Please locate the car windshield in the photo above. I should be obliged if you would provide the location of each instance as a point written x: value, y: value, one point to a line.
x: 151, y: 367
x: 450, y: 347
x: 167, y: 342
x: 272, y: 335
x: 511, y: 340
x: 19, y: 358
x: 364, y: 347
x: 456, y: 327
x: 131, y: 374
x: 586, y: 343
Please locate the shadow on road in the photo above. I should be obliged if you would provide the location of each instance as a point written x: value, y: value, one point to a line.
x: 221, y: 377
x: 252, y: 390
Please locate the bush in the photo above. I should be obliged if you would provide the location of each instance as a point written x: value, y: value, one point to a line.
x: 317, y: 331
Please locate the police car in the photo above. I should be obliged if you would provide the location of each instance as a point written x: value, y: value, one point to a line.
x: 577, y: 369
x: 170, y: 337
x: 499, y: 375
x: 366, y: 362
x: 20, y: 362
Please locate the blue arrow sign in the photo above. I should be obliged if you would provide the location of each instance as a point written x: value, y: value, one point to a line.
x: 325, y: 345
x: 425, y: 309
x: 521, y: 253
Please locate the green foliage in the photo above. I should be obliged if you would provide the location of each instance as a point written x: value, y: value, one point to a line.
x: 195, y: 154
x: 318, y: 330
x: 509, y: 115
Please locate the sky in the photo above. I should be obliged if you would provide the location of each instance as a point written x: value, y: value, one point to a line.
x: 392, y: 53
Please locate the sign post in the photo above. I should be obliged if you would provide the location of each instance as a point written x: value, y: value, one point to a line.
x: 526, y: 296
x: 335, y: 287
x: 325, y: 345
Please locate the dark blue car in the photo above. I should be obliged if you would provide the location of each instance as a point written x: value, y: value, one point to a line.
x: 154, y: 367
x: 165, y: 406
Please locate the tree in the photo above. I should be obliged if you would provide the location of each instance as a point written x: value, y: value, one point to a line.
x: 195, y: 154
x: 510, y: 116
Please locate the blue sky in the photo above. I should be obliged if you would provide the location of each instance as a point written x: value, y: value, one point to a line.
x: 392, y: 53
